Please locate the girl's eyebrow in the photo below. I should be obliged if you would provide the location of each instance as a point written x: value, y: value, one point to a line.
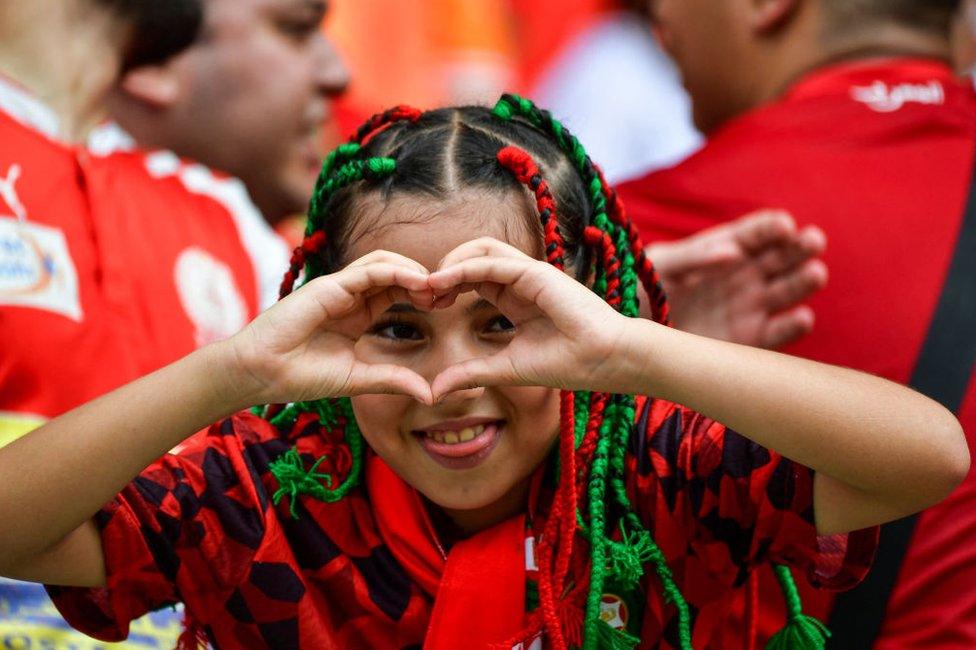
x: 401, y: 308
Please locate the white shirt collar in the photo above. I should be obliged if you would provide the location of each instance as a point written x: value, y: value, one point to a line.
x: 23, y: 106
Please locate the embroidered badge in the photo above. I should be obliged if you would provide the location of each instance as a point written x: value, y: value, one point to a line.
x: 613, y: 611
x: 209, y: 296
x: 36, y: 269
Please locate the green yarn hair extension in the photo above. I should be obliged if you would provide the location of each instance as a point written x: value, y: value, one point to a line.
x: 598, y: 539
x: 801, y: 632
x: 348, y: 173
x: 624, y: 560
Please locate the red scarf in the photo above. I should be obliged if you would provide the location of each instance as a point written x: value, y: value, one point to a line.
x: 478, y: 588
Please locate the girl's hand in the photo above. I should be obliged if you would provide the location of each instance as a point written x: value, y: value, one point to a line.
x: 565, y: 335
x: 302, y: 348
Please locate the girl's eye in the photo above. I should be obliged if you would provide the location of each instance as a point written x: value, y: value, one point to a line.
x: 500, y: 325
x: 398, y: 332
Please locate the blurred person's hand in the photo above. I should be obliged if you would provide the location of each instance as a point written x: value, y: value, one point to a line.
x: 744, y: 281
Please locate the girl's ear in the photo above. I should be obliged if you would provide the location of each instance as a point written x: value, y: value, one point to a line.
x: 767, y: 16
x: 155, y: 85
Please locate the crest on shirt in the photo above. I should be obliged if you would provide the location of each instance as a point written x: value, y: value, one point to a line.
x: 36, y: 269
x: 887, y: 98
x: 613, y: 611
x: 209, y: 296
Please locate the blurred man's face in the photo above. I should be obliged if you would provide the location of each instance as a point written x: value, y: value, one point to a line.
x: 255, y: 90
x: 703, y: 39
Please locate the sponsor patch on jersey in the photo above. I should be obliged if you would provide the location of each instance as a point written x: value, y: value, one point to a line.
x: 209, y: 295
x: 36, y: 269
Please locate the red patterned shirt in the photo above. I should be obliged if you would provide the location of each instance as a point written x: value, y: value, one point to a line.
x: 200, y: 527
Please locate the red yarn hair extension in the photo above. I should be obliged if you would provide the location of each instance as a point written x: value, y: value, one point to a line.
x: 311, y: 245
x: 380, y: 121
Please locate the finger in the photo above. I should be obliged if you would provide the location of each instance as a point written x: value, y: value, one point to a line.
x: 758, y: 230
x: 481, y: 247
x: 499, y: 270
x: 388, y: 257
x: 790, y: 254
x: 388, y: 379
x: 360, y: 279
x: 789, y: 290
x: 788, y: 327
x: 475, y: 373
x: 693, y: 254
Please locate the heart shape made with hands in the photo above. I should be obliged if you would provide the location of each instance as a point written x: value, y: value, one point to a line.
x: 556, y: 323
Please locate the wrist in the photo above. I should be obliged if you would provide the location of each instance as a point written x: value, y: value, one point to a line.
x: 233, y: 384
x: 639, y: 356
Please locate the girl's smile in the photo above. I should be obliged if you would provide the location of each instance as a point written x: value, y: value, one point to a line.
x: 461, y: 444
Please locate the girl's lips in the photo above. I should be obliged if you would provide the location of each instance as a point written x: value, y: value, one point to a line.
x: 463, y: 455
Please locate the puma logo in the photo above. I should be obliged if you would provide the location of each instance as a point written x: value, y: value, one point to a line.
x: 9, y: 192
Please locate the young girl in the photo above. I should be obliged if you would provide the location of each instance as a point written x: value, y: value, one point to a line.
x: 423, y: 480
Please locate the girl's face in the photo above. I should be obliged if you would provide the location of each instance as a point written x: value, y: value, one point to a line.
x: 473, y: 453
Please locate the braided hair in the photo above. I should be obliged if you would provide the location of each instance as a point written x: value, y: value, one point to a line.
x: 592, y: 530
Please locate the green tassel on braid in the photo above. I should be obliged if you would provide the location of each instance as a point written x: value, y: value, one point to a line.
x: 802, y: 632
x: 288, y: 470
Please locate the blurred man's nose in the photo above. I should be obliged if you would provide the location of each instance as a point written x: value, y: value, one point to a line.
x: 331, y: 74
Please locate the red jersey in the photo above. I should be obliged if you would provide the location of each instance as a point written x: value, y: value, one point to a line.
x: 110, y: 267
x: 880, y: 154
x: 201, y: 526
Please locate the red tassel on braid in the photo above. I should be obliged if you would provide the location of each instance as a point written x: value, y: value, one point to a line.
x: 380, y: 121
x: 311, y: 245
x: 598, y: 403
x: 649, y: 276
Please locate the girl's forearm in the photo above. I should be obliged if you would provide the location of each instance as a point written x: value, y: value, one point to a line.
x: 58, y: 476
x: 867, y: 433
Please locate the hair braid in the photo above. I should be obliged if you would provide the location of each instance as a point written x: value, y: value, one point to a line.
x: 620, y: 264
x: 561, y: 527
x: 606, y: 206
x: 307, y: 255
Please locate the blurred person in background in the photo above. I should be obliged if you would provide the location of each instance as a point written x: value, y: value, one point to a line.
x: 964, y: 39
x: 110, y: 266
x: 616, y: 89
x: 229, y: 83
x: 249, y: 98
x: 847, y: 113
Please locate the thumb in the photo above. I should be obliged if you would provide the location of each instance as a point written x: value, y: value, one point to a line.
x: 389, y: 379
x: 486, y: 371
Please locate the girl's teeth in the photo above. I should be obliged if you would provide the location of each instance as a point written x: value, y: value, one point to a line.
x: 454, y: 437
